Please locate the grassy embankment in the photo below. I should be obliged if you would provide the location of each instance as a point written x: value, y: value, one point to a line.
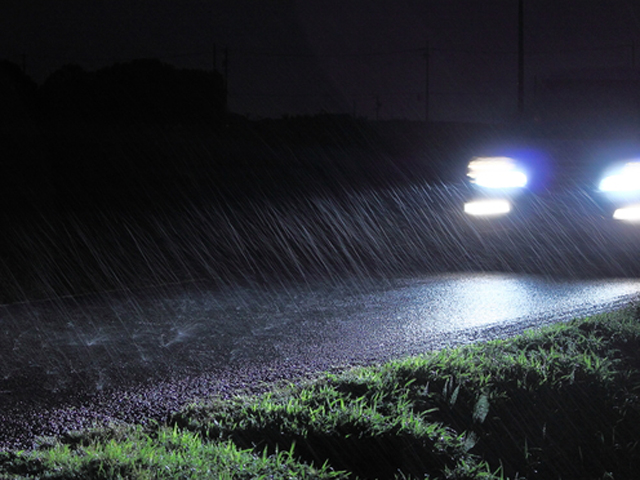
x: 561, y: 402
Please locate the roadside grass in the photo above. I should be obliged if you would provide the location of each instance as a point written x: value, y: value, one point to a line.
x: 165, y: 453
x: 558, y: 402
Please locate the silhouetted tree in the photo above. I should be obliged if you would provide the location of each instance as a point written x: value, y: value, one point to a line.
x: 141, y: 91
x: 18, y: 105
x: 23, y: 167
x: 68, y: 95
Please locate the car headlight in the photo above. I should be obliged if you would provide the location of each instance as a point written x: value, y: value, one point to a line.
x: 625, y: 178
x: 496, y: 173
x: 487, y: 207
x: 630, y: 213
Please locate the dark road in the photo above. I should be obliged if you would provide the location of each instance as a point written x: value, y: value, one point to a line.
x: 98, y: 359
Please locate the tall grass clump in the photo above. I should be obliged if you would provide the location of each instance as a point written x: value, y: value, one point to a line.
x: 164, y: 453
x: 374, y: 435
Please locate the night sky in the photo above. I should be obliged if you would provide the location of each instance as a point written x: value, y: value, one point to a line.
x: 358, y: 56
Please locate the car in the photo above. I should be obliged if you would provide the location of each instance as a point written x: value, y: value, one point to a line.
x: 599, y: 179
x: 498, y: 181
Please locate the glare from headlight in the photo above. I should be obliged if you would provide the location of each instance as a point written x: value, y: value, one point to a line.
x: 496, y: 172
x: 481, y: 208
x: 630, y: 213
x: 625, y: 179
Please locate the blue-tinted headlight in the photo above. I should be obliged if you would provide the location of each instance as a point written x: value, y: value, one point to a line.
x: 496, y: 173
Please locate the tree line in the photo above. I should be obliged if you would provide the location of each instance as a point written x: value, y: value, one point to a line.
x: 139, y: 91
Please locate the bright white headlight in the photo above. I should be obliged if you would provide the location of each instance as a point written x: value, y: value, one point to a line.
x: 496, y: 172
x: 629, y: 213
x: 623, y: 179
x: 481, y: 208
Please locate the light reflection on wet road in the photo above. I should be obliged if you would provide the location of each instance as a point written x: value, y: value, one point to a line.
x: 117, y: 339
x: 89, y: 345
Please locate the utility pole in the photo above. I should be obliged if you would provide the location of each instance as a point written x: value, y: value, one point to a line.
x: 426, y: 84
x: 215, y: 85
x: 225, y: 65
x: 521, y: 59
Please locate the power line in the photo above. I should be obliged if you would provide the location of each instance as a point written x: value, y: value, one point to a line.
x: 582, y: 49
x: 467, y: 51
x: 415, y: 94
x: 539, y: 52
x: 249, y: 53
x: 423, y: 50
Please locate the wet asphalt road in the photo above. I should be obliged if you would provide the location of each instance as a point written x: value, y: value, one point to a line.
x: 131, y: 357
